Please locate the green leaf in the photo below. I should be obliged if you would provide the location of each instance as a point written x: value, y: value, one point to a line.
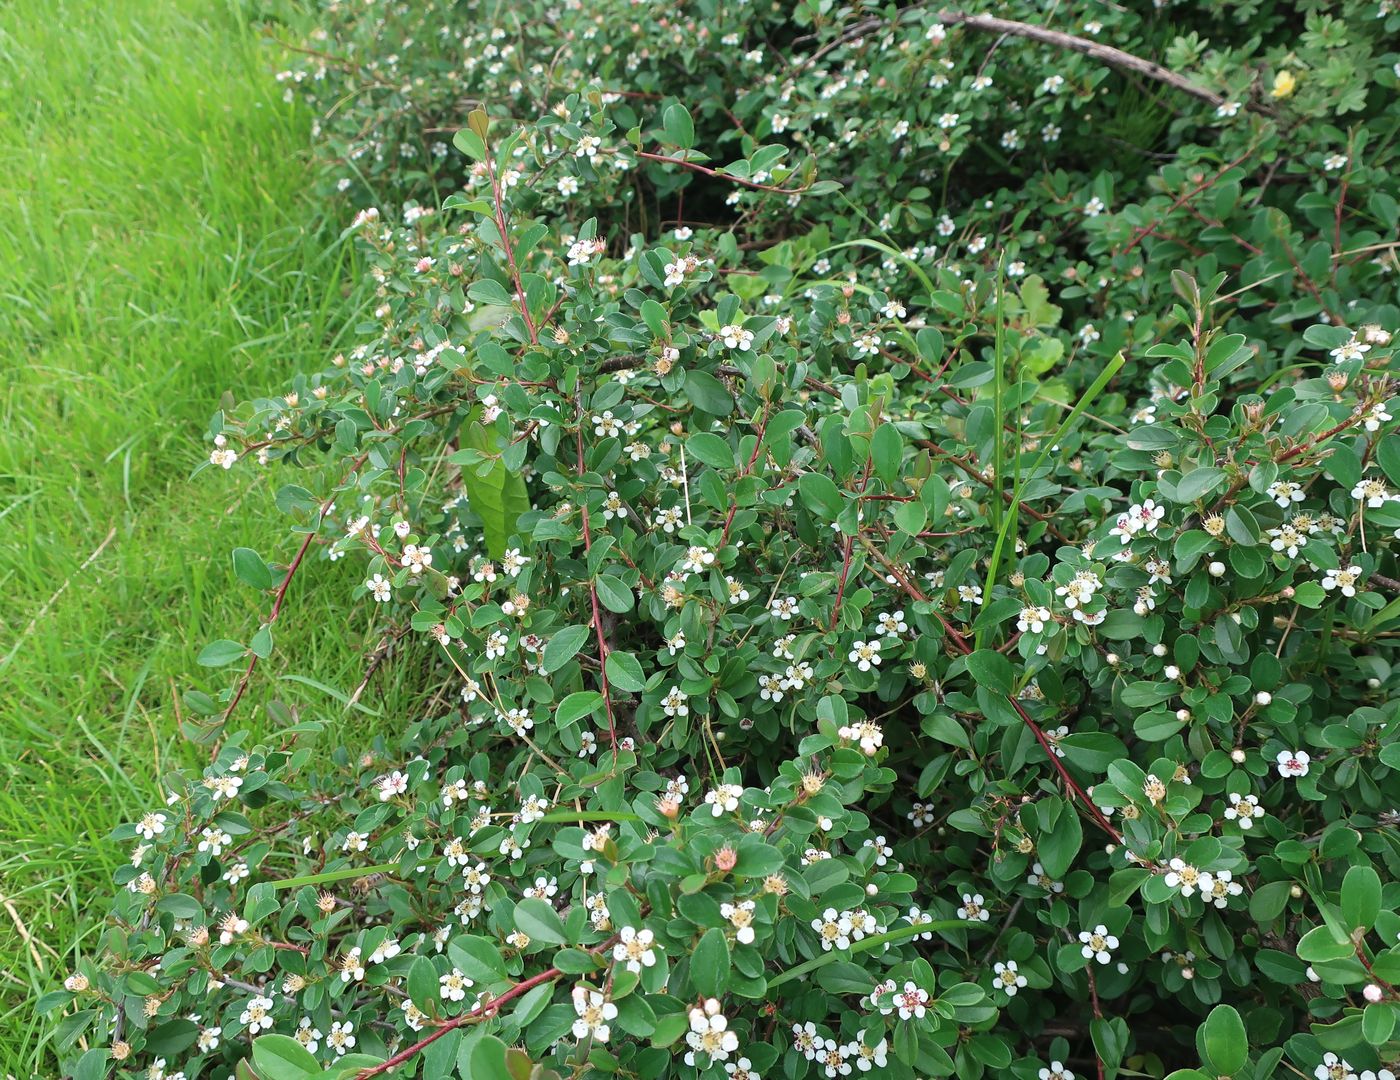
x: 709, y: 964
x: 221, y: 652
x: 624, y: 672
x: 1361, y: 897
x: 280, y: 1057
x: 1320, y: 944
x: 1093, y: 750
x: 562, y: 647
x: 496, y: 494
x: 711, y: 450
x: 576, y: 706
x: 679, y: 128
x: 613, y: 594
x: 992, y: 670
x: 820, y: 495
x: 536, y: 918
x: 1058, y: 846
x: 476, y: 958
x: 1226, y: 1044
x: 423, y: 983
x: 886, y: 452
x: 250, y: 569
x: 707, y: 393
x: 1378, y: 1022
x: 1199, y: 483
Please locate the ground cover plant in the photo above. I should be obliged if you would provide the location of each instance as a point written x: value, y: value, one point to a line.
x: 897, y: 509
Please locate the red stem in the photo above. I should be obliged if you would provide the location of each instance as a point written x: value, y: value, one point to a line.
x: 696, y: 167
x: 482, y: 1013
x: 282, y: 594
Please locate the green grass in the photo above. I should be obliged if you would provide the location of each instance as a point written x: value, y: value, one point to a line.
x: 158, y: 251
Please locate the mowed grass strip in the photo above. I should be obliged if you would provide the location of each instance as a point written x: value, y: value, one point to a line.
x: 159, y: 251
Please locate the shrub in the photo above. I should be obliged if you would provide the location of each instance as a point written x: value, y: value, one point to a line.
x: 851, y: 667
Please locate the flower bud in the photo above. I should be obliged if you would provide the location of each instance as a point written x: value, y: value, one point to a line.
x: 1372, y: 993
x: 1171, y: 671
x: 1296, y: 892
x: 1237, y: 756
x: 1263, y: 697
x: 1184, y: 715
x: 726, y: 858
x: 1159, y: 650
x: 1112, y: 659
x: 1217, y: 569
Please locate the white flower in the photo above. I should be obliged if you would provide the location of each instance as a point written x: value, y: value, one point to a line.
x: 833, y: 929
x: 865, y: 654
x: 151, y: 826
x: 1094, y: 207
x: 1098, y: 944
x: 1041, y: 879
x: 1334, y: 1068
x: 912, y: 1002
x: 595, y: 1014
x: 606, y: 425
x: 255, y: 1017
x: 1008, y: 978
x: 416, y: 558
x: 1293, y: 763
x: 674, y: 703
x: 891, y: 623
x: 213, y: 840
x: 867, y: 733
x: 1343, y: 580
x: 340, y: 1039
x: 1217, y: 887
x: 883, y: 852
x: 1243, y: 809
x: 723, y: 798
x: 1033, y: 619
x: 1182, y: 875
x: 972, y: 909
x: 380, y: 588
x: 453, y: 986
x: 1376, y: 417
x: 637, y: 948
x: 736, y: 337
x: 1372, y: 492
x: 696, y: 559
x: 1286, y: 492
x: 709, y: 1034
x: 741, y: 1070
x: 675, y: 272
x: 395, y: 783
x: 352, y: 968
x: 740, y: 916
x: 867, y: 345
x: 1056, y: 1071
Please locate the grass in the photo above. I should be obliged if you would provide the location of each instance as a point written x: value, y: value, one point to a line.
x: 158, y: 251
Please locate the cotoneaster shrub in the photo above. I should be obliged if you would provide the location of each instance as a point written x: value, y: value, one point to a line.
x: 846, y: 660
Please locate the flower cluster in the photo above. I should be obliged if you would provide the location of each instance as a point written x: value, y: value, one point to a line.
x: 954, y: 647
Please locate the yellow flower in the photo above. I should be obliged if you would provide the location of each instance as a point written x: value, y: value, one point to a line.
x: 1284, y: 84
